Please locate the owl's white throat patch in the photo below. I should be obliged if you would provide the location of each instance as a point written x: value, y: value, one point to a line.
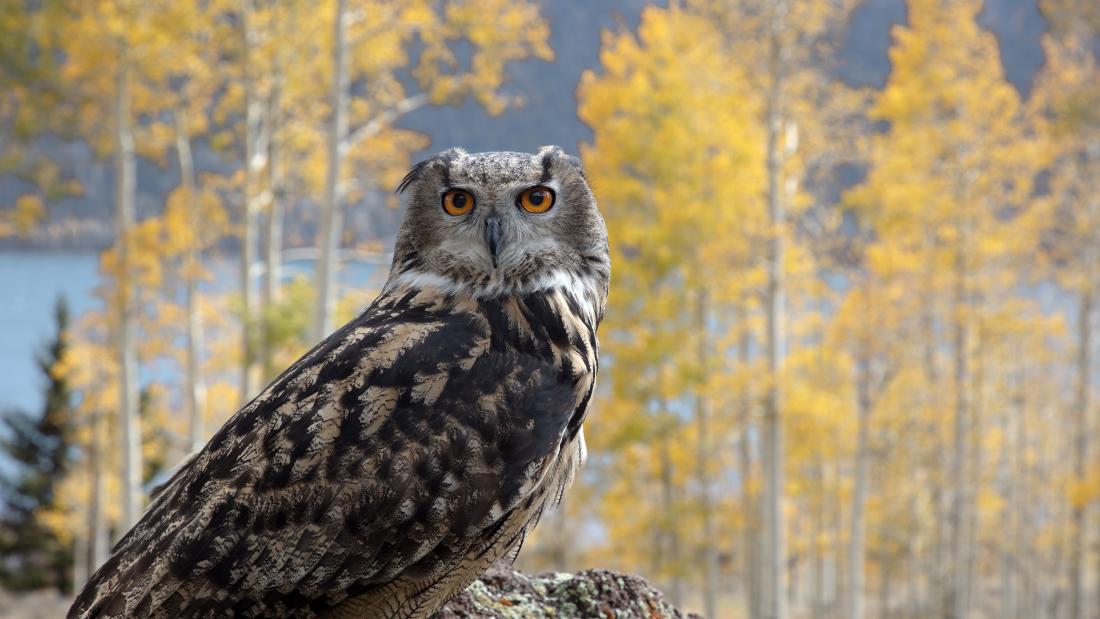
x: 583, y: 290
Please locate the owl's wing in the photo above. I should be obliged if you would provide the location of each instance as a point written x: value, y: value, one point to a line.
x: 407, y: 432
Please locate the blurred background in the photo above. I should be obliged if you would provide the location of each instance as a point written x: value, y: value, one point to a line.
x: 850, y: 358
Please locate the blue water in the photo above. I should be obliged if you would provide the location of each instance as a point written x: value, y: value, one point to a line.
x: 30, y: 283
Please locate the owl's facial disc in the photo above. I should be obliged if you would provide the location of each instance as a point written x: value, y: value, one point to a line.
x: 500, y: 223
x: 498, y: 232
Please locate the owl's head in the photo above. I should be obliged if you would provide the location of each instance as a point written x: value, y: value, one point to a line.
x: 500, y: 223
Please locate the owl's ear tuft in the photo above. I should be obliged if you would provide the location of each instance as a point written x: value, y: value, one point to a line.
x: 576, y: 163
x: 413, y: 175
x: 452, y: 153
x: 550, y: 154
x: 443, y: 159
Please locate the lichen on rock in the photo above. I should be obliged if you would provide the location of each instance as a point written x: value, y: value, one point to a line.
x: 503, y: 593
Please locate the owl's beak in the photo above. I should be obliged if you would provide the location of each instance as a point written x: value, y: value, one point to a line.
x: 494, y: 236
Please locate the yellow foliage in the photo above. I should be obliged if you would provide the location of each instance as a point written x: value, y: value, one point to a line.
x: 1081, y: 492
x: 22, y: 218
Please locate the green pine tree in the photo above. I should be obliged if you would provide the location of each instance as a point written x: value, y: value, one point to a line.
x: 37, y: 447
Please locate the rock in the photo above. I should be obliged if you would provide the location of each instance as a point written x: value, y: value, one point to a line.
x: 503, y: 593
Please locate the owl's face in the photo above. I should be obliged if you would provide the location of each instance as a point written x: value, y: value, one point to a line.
x: 500, y: 223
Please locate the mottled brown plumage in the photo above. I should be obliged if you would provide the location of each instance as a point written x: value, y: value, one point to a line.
x: 388, y: 467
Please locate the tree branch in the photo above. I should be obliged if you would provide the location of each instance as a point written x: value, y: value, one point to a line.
x: 383, y: 120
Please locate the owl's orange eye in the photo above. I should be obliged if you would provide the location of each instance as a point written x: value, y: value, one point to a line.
x: 458, y: 202
x: 537, y: 199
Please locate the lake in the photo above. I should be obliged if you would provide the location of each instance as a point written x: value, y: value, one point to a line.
x: 31, y: 282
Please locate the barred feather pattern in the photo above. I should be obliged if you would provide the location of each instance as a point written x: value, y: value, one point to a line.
x: 380, y: 474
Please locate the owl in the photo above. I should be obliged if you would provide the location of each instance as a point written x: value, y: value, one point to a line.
x: 387, y: 468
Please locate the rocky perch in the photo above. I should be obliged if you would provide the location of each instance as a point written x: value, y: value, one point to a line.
x: 503, y: 593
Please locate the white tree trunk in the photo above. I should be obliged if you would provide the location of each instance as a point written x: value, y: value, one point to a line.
x: 273, y: 258
x: 1083, y: 386
x: 702, y: 454
x: 817, y: 532
x: 560, y: 544
x: 672, y: 531
x: 669, y: 517
x: 1092, y: 272
x: 839, y: 528
x: 976, y: 452
x: 751, y: 538
x: 914, y: 594
x: 80, y: 559
x: 328, y: 238
x: 955, y: 602
x: 128, y: 415
x: 97, y: 519
x: 254, y: 158
x: 273, y: 237
x: 195, y: 387
x: 775, y: 599
x: 1021, y: 473
x: 937, y: 563
x: 884, y: 596
x: 1011, y: 479
x: 858, y: 534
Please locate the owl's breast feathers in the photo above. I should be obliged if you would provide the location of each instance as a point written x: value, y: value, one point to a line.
x: 423, y: 436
